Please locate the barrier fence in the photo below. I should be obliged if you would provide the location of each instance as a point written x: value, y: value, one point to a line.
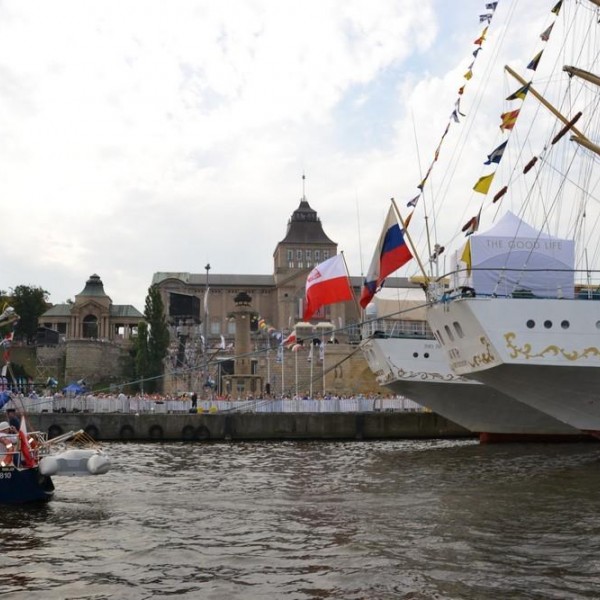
x: 123, y: 404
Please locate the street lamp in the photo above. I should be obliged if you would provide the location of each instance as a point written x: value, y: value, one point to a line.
x: 207, y: 267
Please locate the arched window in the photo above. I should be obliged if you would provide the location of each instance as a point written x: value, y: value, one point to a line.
x: 90, y: 326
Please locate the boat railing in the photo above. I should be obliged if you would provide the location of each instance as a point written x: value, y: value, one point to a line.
x: 396, y: 328
x: 518, y: 283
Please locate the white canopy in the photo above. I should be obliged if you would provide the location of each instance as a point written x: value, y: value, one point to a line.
x: 512, y: 256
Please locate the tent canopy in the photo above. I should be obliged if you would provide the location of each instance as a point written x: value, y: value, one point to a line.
x: 73, y: 388
x: 513, y: 257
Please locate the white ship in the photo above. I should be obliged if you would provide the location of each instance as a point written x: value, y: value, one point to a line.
x: 523, y: 316
x: 406, y: 358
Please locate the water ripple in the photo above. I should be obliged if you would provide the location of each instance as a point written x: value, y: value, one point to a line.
x: 414, y: 520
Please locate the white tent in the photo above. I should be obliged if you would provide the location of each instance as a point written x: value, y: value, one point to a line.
x: 514, y: 257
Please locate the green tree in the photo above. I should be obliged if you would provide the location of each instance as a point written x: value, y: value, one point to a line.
x: 29, y: 303
x: 152, y: 343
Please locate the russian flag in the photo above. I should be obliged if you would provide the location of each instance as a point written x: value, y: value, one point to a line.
x: 390, y: 254
x: 327, y: 283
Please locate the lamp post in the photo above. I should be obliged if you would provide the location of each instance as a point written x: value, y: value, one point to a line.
x: 207, y: 267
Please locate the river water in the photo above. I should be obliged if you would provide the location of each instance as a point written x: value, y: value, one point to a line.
x: 311, y: 520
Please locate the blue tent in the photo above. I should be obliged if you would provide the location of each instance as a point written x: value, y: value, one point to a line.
x: 73, y: 388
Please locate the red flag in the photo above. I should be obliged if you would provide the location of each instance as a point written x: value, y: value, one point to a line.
x: 28, y: 459
x: 327, y: 283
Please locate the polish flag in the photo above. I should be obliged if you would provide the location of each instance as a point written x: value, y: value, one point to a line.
x: 28, y: 459
x: 327, y: 283
x: 290, y: 339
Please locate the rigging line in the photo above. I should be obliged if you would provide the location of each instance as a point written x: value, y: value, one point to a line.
x: 360, y: 251
x: 423, y: 190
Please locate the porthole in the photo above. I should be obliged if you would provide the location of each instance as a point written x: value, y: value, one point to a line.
x: 530, y: 324
x: 597, y: 324
x: 415, y: 354
x: 565, y: 324
x: 547, y: 324
x: 426, y: 355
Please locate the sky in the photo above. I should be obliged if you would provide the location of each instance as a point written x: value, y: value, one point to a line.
x: 139, y: 137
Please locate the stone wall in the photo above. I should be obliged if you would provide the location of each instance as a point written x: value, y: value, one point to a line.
x: 346, y: 372
x: 94, y: 361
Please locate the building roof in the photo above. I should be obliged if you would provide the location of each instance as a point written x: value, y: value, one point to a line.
x: 217, y: 280
x: 305, y: 227
x: 94, y: 287
x: 116, y: 310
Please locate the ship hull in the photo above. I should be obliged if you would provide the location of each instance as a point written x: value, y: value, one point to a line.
x: 24, y: 486
x: 417, y: 369
x: 544, y: 353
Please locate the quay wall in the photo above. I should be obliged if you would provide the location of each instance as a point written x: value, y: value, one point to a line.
x: 250, y: 426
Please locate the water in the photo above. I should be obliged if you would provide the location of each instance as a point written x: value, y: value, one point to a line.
x: 355, y: 520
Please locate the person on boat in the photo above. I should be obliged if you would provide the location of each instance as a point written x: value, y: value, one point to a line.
x: 13, y: 419
x: 8, y: 445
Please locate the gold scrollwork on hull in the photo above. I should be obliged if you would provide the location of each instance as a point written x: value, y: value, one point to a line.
x: 525, y: 351
x: 485, y: 358
x: 426, y: 376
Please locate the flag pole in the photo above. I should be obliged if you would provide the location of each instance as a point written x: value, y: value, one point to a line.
x: 358, y: 308
x: 414, y: 250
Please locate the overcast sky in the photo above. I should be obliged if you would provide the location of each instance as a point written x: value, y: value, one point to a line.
x: 144, y: 136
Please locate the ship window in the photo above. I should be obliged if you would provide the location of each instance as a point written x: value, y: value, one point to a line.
x: 530, y: 324
x: 565, y: 324
x: 458, y: 329
x: 441, y: 339
x: 426, y: 355
x: 415, y: 354
x: 450, y: 335
x: 547, y: 324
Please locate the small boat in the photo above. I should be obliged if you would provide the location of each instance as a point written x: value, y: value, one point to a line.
x: 28, y: 460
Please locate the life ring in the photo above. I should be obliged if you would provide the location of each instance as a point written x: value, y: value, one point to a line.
x: 7, y: 448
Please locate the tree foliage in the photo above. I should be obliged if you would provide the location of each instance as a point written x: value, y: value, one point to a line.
x: 152, y: 343
x: 30, y: 303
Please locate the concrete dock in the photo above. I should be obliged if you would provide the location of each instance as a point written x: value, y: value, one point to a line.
x: 250, y: 426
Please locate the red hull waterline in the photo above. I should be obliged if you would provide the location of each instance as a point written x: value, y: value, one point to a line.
x: 542, y: 438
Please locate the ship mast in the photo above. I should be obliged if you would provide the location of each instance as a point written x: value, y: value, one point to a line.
x: 579, y: 137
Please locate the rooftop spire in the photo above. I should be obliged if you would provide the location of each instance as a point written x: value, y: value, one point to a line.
x: 303, y: 186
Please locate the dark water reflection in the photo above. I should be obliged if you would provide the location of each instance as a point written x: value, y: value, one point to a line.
x: 356, y: 520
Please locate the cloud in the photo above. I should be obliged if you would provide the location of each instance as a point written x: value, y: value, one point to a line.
x: 151, y: 136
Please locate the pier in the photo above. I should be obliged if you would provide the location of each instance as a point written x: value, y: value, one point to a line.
x: 246, y: 426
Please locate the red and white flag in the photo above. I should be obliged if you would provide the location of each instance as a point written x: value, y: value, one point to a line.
x: 28, y: 459
x: 327, y: 283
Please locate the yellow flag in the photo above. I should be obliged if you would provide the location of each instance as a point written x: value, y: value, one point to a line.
x: 466, y: 256
x: 483, y: 183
